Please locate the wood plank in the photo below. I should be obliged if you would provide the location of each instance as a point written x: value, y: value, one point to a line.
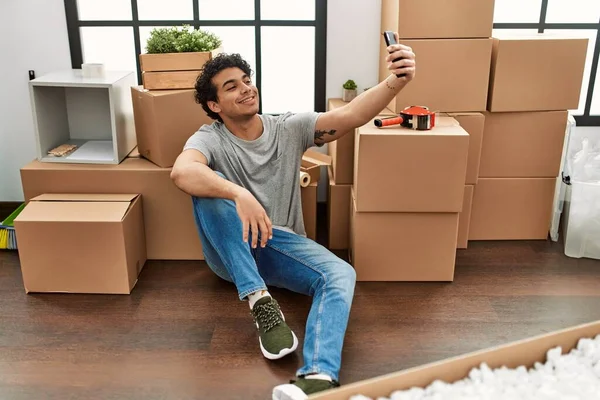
x: 183, y: 334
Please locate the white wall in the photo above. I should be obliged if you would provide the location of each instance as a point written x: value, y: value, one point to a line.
x: 353, y: 39
x: 35, y: 37
x: 41, y: 43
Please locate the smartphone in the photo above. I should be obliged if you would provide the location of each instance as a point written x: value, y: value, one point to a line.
x: 389, y: 40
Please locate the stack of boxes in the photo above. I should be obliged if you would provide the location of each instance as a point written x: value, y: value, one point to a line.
x: 68, y: 230
x: 406, y: 199
x: 453, y: 47
x: 412, y: 190
x: 504, y: 95
x: 530, y: 93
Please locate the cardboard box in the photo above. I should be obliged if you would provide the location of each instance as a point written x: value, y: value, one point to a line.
x: 81, y: 243
x: 453, y: 75
x: 525, y: 74
x: 338, y: 217
x: 403, y: 170
x: 473, y: 123
x: 512, y: 355
x: 311, y: 163
x: 342, y: 150
x: 512, y: 208
x: 403, y: 246
x: 164, y: 121
x: 173, y: 70
x: 168, y: 218
x: 420, y: 19
x: 464, y: 218
x: 309, y: 210
x: 523, y: 144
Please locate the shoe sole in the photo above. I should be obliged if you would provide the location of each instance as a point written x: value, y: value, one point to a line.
x: 288, y: 392
x: 282, y: 353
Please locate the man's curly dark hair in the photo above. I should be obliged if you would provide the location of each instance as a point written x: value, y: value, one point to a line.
x: 205, y: 90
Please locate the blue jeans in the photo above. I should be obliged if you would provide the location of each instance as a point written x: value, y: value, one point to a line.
x: 288, y: 261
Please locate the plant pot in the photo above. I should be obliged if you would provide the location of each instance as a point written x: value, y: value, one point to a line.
x: 349, y: 95
x: 173, y: 70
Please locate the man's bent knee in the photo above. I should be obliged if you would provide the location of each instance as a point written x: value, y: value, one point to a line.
x: 347, y: 275
x: 343, y: 277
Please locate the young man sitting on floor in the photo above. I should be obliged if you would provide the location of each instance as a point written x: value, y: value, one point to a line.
x: 242, y: 173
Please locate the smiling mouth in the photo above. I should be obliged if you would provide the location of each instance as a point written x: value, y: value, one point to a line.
x: 247, y: 100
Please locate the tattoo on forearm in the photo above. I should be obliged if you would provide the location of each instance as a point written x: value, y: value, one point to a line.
x: 319, y: 134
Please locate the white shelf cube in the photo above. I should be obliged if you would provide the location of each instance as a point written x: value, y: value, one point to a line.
x: 96, y: 114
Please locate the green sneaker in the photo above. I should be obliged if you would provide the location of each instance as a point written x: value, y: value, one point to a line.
x: 274, y: 335
x: 301, y: 388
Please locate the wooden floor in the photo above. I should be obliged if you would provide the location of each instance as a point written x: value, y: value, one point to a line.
x: 182, y: 333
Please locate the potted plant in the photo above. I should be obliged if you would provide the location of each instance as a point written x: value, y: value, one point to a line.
x: 349, y: 90
x: 175, y: 55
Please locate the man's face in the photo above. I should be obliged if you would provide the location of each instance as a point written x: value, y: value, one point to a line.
x: 236, y: 94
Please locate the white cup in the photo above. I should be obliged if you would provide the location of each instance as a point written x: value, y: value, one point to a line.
x: 92, y: 70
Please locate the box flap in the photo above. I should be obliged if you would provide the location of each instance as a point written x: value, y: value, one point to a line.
x: 102, y: 197
x: 317, y: 158
x: 73, y: 211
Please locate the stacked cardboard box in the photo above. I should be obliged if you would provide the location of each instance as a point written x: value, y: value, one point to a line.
x: 407, y: 194
x: 452, y: 44
x: 76, y: 206
x: 529, y: 95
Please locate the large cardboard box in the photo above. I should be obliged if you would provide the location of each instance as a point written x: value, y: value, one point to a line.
x: 164, y: 120
x: 403, y: 246
x: 309, y: 210
x: 420, y: 19
x: 168, y: 218
x: 512, y: 355
x: 404, y: 170
x: 338, y: 217
x: 81, y: 243
x: 512, y: 208
x: 473, y: 123
x: 464, y: 218
x: 523, y: 144
x: 453, y: 75
x: 526, y: 74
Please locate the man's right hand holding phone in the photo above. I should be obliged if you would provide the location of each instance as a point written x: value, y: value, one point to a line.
x: 401, y: 59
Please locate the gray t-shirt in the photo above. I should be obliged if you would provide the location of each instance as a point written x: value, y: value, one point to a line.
x: 269, y: 167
